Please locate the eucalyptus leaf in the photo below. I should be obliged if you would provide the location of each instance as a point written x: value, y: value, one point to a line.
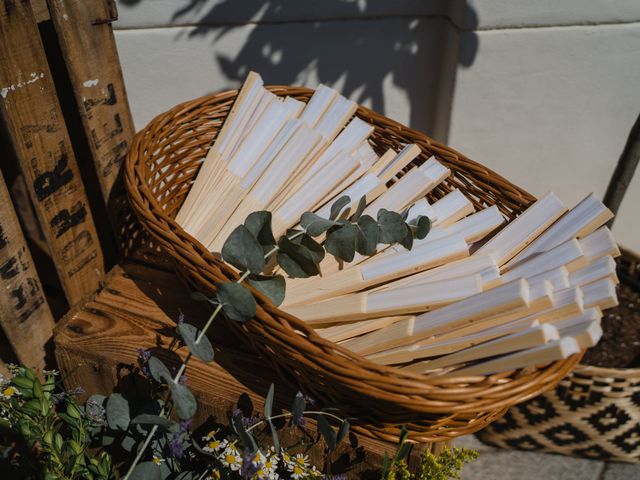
x: 201, y: 297
x: 183, y: 400
x: 407, y: 241
x: 315, y: 249
x: 248, y: 442
x: 243, y: 251
x: 259, y: 224
x: 237, y: 302
x: 368, y: 235
x: 271, y: 287
x: 297, y: 409
x: 405, y: 213
x: 297, y: 260
x: 327, y: 432
x: 268, y: 402
x: 314, y: 224
x: 159, y: 371
x: 393, y: 229
x: 202, y: 349
x: 146, y: 471
x: 341, y: 241
x: 423, y: 226
x: 117, y: 411
x: 128, y: 443
x: 342, y: 431
x: 274, y: 436
x: 362, y: 204
x: 148, y: 419
x: 338, y: 205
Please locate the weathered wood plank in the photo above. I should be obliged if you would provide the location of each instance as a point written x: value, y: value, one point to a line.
x: 88, y: 46
x: 31, y: 111
x: 24, y: 313
x: 40, y: 10
x: 96, y: 349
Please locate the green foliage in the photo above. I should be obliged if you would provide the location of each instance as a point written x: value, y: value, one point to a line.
x: 237, y: 302
x: 250, y: 248
x: 447, y: 465
x: 201, y: 349
x: 57, y: 438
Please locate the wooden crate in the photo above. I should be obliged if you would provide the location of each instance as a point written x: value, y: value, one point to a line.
x: 58, y: 144
x: 97, y: 349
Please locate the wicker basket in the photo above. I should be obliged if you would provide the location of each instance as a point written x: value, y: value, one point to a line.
x: 594, y: 412
x: 161, y: 165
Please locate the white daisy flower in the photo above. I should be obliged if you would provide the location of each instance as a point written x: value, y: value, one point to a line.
x: 9, y: 392
x: 297, y: 472
x: 214, y: 445
x: 300, y: 460
x: 157, y: 460
x: 231, y: 458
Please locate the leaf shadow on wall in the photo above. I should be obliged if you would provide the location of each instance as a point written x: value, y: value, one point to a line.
x: 355, y: 46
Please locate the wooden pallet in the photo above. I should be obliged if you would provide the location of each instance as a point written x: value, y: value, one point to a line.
x: 68, y: 125
x: 97, y: 343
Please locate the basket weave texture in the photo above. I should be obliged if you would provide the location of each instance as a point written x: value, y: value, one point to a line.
x: 594, y: 412
x: 162, y: 163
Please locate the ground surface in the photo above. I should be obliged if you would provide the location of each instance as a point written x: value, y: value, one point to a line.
x: 498, y: 464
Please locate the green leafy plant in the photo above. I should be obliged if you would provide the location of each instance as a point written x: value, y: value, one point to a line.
x: 447, y: 465
x: 251, y: 248
x: 55, y: 430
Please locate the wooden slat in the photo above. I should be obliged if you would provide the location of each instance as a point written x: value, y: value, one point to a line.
x: 32, y: 114
x: 40, y: 10
x: 24, y: 313
x: 88, y: 46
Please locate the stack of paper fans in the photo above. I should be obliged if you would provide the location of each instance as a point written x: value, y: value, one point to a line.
x: 464, y: 300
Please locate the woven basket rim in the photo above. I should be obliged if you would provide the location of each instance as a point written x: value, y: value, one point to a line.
x: 495, y: 385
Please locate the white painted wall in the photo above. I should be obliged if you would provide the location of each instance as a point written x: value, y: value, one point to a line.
x: 543, y: 92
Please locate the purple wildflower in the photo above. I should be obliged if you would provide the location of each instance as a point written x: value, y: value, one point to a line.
x: 180, y: 318
x: 183, y: 379
x: 95, y: 412
x: 248, y: 469
x: 176, y: 447
x: 143, y: 354
x: 185, y: 425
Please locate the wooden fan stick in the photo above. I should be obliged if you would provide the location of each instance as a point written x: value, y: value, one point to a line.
x: 399, y: 301
x: 250, y: 88
x: 587, y: 216
x: 602, y: 268
x: 339, y: 333
x: 524, y: 229
x: 490, y: 303
x: 526, y: 339
x: 438, y: 252
x: 445, y: 347
x: 550, y: 352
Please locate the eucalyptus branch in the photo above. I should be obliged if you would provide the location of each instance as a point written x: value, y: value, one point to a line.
x: 249, y: 248
x: 163, y: 413
x: 288, y: 414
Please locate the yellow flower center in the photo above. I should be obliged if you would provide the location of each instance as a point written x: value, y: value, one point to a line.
x: 213, y: 444
x: 300, y: 461
x: 230, y: 458
x: 297, y: 470
x: 9, y: 391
